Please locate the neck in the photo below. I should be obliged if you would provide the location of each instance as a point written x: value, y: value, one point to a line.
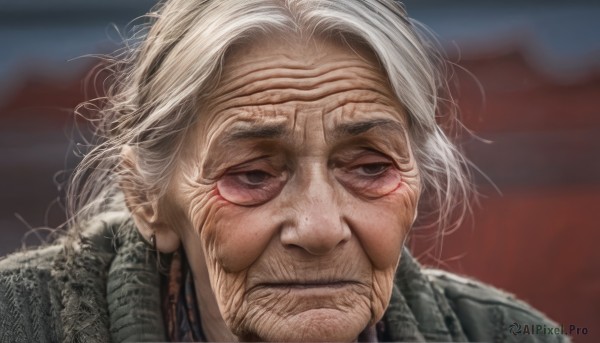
x: 213, y: 325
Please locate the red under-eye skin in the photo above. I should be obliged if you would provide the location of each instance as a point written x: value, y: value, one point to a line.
x: 251, y: 185
x: 371, y: 176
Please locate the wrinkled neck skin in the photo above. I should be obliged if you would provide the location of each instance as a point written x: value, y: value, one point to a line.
x: 214, y: 327
x: 296, y: 193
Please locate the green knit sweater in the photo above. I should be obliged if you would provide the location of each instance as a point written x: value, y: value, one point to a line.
x: 106, y: 288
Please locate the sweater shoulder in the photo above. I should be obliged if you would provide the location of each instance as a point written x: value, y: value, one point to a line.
x: 29, y: 296
x: 487, y: 313
x: 36, y: 259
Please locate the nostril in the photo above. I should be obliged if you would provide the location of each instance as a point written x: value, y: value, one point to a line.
x: 322, y: 248
x: 313, y: 242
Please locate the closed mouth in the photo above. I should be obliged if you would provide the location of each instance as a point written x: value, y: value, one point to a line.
x: 310, y: 284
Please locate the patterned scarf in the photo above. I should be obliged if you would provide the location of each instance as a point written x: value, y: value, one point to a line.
x: 180, y: 309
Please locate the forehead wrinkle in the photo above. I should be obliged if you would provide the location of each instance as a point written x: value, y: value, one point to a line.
x: 326, y: 98
x: 349, y: 104
x: 234, y: 80
x: 267, y: 73
x: 307, y: 122
x: 239, y: 70
x: 278, y: 77
x: 286, y: 90
x: 223, y: 117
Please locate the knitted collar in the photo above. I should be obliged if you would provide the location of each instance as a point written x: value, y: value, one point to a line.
x: 111, y: 288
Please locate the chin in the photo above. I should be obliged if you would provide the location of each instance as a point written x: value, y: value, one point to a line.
x: 316, y: 325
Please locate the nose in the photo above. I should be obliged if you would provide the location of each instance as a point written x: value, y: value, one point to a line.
x: 317, y: 225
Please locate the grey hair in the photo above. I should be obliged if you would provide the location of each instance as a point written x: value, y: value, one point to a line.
x: 175, y: 61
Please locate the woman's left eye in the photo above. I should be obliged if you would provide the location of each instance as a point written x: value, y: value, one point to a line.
x: 372, y: 175
x: 372, y: 169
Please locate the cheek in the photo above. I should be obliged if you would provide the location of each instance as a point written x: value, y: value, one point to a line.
x: 232, y: 236
x: 382, y: 225
x: 236, y: 236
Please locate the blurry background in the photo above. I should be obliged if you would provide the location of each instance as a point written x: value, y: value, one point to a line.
x: 537, y: 63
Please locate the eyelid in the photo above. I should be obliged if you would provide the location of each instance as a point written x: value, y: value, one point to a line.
x: 258, y: 163
x: 248, y: 169
x: 365, y: 155
x: 372, y: 158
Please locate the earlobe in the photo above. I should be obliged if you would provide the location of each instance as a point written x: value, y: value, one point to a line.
x: 149, y: 223
x: 144, y: 206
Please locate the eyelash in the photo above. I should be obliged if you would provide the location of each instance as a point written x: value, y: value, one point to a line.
x: 248, y: 184
x: 385, y: 166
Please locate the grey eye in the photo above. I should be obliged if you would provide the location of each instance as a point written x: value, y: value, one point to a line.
x: 254, y: 177
x: 372, y: 169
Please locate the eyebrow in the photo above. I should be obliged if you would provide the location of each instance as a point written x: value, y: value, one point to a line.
x: 356, y: 128
x: 273, y: 131
x: 255, y: 131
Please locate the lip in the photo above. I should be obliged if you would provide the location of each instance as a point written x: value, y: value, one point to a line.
x: 300, y: 285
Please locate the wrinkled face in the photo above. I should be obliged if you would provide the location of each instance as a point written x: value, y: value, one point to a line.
x: 298, y: 190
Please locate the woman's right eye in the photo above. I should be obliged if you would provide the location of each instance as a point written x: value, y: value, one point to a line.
x: 253, y: 178
x: 251, y: 186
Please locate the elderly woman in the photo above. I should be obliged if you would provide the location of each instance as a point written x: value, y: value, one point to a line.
x: 260, y: 167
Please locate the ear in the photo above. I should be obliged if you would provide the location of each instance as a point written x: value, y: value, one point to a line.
x: 144, y: 205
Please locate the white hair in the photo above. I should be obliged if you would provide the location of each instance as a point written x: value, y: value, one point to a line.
x: 175, y: 61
